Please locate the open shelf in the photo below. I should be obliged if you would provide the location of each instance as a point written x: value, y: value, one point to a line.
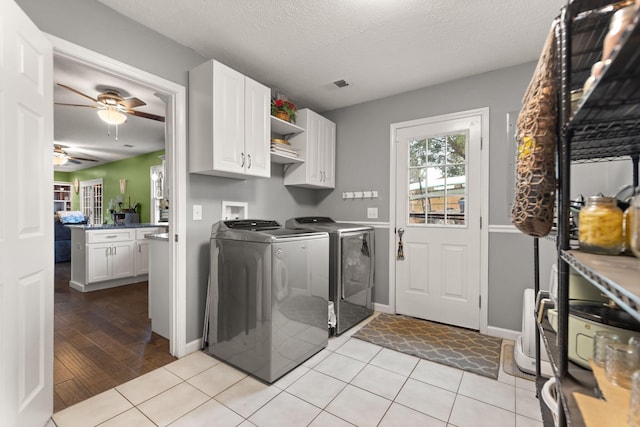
x: 282, y: 159
x: 284, y: 128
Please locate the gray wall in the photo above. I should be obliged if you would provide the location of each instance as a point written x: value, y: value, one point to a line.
x: 363, y: 163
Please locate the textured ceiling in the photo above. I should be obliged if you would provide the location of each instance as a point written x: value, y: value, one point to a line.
x: 380, y: 47
x: 300, y: 47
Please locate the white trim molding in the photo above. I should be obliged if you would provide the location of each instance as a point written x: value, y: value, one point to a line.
x: 507, y: 334
x: 511, y: 229
x: 176, y: 154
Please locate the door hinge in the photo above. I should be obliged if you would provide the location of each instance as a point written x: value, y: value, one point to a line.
x: 480, y: 223
x: 175, y: 237
x: 481, y: 143
x: 479, y: 301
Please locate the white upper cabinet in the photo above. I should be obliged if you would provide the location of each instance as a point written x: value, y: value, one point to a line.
x: 229, y: 125
x: 316, y: 146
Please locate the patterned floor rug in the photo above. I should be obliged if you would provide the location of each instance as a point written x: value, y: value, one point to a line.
x: 458, y: 347
x: 509, y: 365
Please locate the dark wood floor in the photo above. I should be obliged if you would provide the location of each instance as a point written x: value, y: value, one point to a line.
x: 101, y: 339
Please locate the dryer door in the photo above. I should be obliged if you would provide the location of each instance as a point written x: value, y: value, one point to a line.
x: 357, y: 264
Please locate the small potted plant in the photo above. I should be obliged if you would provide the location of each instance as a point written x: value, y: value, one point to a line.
x: 283, y: 109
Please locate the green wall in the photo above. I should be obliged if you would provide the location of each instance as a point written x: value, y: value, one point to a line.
x: 135, y: 170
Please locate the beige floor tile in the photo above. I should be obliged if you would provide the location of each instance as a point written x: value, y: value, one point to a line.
x: 359, y: 350
x: 399, y: 415
x: 469, y: 412
x: 247, y: 396
x: 317, y: 358
x: 148, y: 385
x: 527, y: 404
x: 93, y: 411
x: 191, y: 364
x: 316, y: 388
x: 488, y: 391
x: 325, y: 419
x: 336, y: 342
x: 285, y: 410
x: 170, y: 405
x: 437, y: 374
x: 358, y: 406
x: 522, y: 421
x: 133, y: 417
x: 525, y: 384
x: 291, y: 377
x: 211, y: 412
x: 394, y: 361
x: 379, y: 381
x: 341, y: 367
x: 426, y: 398
x: 503, y: 377
x: 216, y: 379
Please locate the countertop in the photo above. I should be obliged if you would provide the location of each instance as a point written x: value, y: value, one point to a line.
x: 112, y: 226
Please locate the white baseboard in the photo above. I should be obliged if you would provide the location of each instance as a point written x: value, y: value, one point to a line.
x: 193, y: 346
x: 382, y: 308
x: 503, y: 333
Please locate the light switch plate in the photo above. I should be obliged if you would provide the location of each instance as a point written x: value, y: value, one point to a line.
x: 197, y: 212
x: 372, y: 212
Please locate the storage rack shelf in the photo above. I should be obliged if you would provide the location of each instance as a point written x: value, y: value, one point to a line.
x: 604, y: 126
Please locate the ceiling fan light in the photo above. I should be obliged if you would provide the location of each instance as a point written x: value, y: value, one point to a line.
x: 112, y: 116
x: 60, y: 159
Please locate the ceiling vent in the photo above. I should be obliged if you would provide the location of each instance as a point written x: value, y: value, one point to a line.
x: 341, y: 83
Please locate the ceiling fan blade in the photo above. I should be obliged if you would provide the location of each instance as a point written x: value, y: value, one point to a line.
x: 75, y: 162
x: 145, y: 115
x: 76, y: 105
x: 81, y: 158
x: 77, y: 92
x: 130, y: 103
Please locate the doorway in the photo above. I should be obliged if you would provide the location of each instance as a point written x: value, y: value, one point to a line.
x: 438, y: 179
x: 174, y: 96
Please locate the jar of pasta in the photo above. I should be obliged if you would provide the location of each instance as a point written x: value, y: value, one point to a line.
x: 633, y: 226
x: 600, y: 229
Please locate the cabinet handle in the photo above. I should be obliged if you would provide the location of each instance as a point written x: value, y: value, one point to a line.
x: 242, y: 154
x: 249, y: 156
x: 114, y: 250
x: 111, y: 237
x: 139, y: 248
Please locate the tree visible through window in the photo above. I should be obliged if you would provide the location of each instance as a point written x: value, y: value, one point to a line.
x: 437, y: 179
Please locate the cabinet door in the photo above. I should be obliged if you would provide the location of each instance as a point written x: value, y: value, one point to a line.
x: 98, y: 266
x: 257, y: 129
x: 228, y: 119
x: 122, y: 260
x: 142, y: 257
x: 313, y: 149
x: 327, y: 149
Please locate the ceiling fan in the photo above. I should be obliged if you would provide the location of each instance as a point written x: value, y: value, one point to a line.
x: 60, y: 157
x: 112, y: 107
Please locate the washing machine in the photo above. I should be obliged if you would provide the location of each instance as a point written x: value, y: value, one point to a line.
x: 268, y: 296
x: 351, y: 267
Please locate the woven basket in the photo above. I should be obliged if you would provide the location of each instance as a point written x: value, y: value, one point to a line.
x: 535, y: 166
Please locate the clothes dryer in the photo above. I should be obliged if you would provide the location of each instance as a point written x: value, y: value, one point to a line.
x: 351, y: 267
x: 268, y: 296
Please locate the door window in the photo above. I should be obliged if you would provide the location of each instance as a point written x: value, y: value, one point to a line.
x: 437, y: 179
x: 91, y: 200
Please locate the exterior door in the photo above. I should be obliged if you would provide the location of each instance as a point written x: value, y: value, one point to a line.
x: 438, y: 209
x: 26, y: 221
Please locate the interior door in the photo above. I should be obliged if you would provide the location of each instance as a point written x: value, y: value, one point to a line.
x: 26, y: 221
x: 438, y: 215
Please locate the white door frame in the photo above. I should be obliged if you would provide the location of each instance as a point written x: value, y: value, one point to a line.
x: 484, y: 205
x: 176, y: 155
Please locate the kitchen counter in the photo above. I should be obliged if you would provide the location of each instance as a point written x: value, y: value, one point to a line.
x: 113, y: 226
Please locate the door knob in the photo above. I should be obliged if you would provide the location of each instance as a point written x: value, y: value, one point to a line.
x: 400, y: 256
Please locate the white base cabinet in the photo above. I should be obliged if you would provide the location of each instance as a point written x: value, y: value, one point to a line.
x: 105, y: 258
x: 229, y: 123
x: 317, y: 147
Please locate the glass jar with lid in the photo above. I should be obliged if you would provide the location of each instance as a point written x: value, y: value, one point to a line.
x: 600, y: 229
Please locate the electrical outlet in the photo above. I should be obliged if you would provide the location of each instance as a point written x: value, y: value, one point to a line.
x: 372, y: 212
x: 197, y: 212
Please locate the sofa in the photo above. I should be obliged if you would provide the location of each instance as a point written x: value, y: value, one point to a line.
x: 62, y: 234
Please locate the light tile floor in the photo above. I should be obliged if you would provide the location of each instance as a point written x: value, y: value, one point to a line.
x: 351, y: 382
